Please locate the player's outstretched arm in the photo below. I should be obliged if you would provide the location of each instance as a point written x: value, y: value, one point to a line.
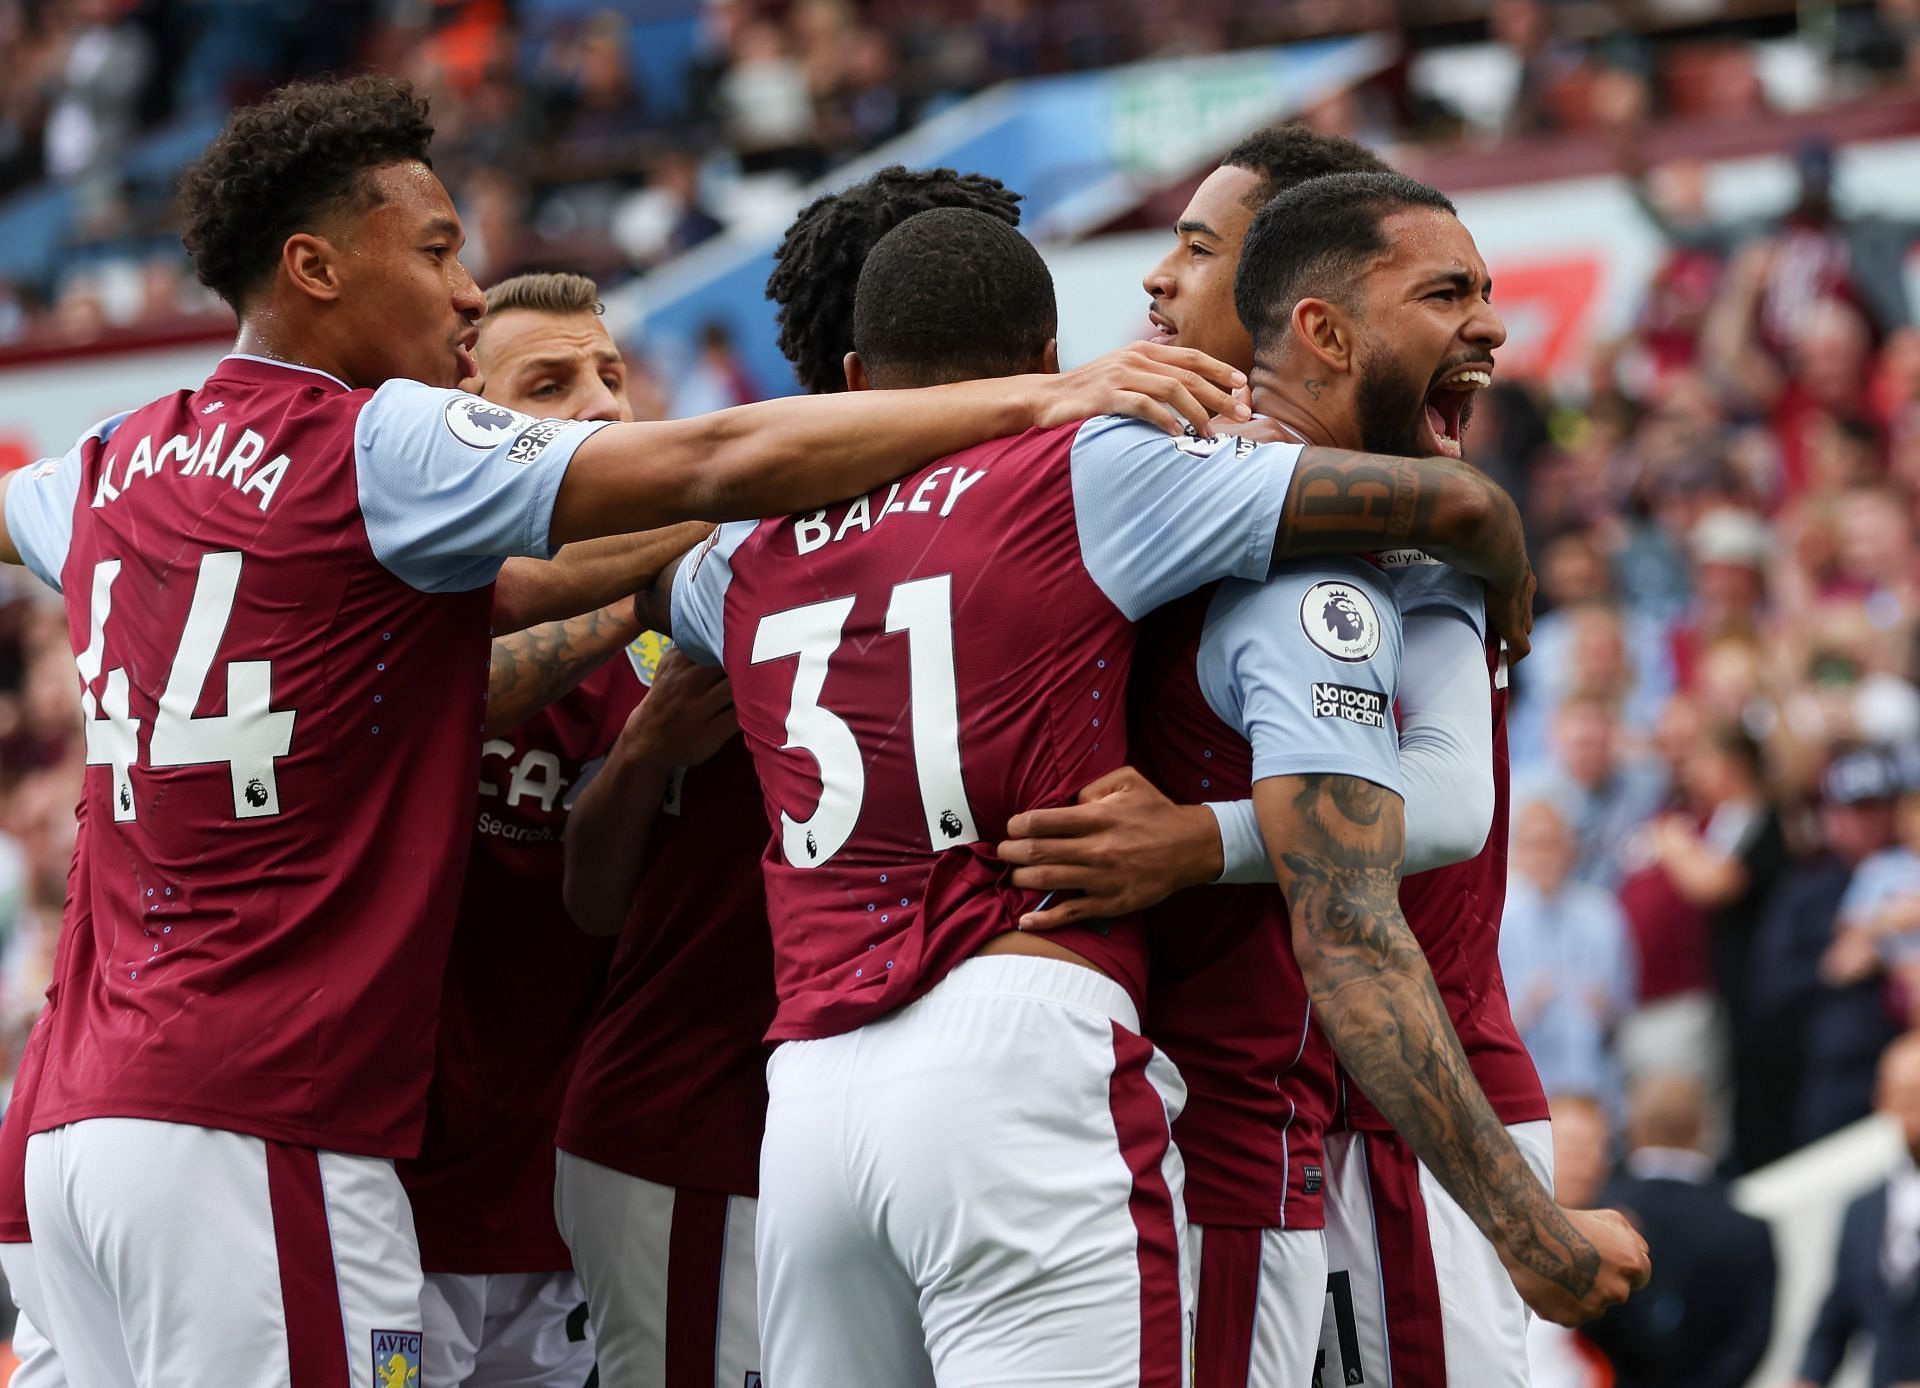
x: 586, y: 575
x: 532, y: 668
x: 793, y: 455
x: 1337, y: 843
x: 686, y: 717
x: 1360, y: 503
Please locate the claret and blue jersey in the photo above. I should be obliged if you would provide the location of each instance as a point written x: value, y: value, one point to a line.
x: 916, y: 666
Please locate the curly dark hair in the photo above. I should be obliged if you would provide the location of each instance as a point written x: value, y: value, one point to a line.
x: 818, y: 264
x: 280, y: 163
x: 1290, y: 154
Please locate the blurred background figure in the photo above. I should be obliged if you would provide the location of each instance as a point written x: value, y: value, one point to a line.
x: 1567, y: 957
x: 1694, y: 1325
x: 1582, y: 1161
x: 1876, y: 1280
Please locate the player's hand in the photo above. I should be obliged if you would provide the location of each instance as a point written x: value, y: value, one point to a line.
x: 1623, y: 1268
x: 1123, y: 847
x: 686, y: 717
x: 1510, y: 614
x: 1173, y: 388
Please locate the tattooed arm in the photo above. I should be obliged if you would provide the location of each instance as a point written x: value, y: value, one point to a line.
x: 1337, y: 844
x: 533, y: 668
x: 1354, y: 503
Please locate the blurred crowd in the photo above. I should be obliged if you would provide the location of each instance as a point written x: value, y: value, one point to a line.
x: 608, y: 137
x: 1716, y: 745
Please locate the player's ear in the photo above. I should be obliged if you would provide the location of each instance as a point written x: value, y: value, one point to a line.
x: 1050, y: 358
x: 856, y: 372
x: 312, y: 265
x: 1322, y: 330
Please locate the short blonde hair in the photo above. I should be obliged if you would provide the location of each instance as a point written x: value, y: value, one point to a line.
x: 550, y: 292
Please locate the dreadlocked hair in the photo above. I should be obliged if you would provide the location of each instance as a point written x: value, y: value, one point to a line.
x: 817, y: 267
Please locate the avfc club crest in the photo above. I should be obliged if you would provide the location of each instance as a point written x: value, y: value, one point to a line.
x: 646, y: 651
x: 1341, y: 620
x: 396, y: 1358
x: 482, y: 424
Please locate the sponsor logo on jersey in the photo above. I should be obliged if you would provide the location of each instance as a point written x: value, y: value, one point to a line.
x: 482, y: 424
x: 1314, y: 1180
x: 1367, y: 707
x: 1404, y: 558
x: 1196, y: 447
x: 645, y: 652
x: 396, y: 1358
x: 1340, y: 619
x: 533, y: 439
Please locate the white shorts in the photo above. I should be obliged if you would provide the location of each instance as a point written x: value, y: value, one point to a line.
x: 981, y: 1188
x: 39, y: 1365
x: 668, y: 1277
x: 1416, y: 1296
x: 505, y: 1330
x: 1260, y: 1297
x: 171, y: 1254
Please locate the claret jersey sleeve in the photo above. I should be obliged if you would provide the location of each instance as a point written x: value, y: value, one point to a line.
x: 40, y: 501
x: 1160, y: 516
x: 1306, y: 667
x: 451, y: 484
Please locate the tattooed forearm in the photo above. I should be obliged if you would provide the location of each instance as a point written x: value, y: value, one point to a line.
x: 1347, y: 503
x: 533, y: 668
x: 1338, y: 843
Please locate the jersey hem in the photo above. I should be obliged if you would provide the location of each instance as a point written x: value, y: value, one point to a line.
x: 494, y: 1263
x: 385, y: 1145
x: 663, y: 1173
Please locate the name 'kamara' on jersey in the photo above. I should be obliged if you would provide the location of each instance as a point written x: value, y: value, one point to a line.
x: 205, y: 455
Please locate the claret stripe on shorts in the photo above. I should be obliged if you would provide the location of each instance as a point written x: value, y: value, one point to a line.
x: 309, y: 1290
x: 1140, y: 1120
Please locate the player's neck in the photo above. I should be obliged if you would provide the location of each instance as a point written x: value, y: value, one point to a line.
x: 1301, y: 407
x: 263, y: 336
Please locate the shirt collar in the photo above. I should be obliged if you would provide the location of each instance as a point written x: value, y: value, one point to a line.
x: 281, y: 366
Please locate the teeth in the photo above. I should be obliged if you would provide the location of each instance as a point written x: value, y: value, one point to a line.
x: 1468, y: 380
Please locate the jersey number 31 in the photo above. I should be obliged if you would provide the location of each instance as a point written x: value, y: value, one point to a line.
x: 923, y: 609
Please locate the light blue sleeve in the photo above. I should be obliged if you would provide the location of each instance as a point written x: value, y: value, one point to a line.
x: 451, y: 484
x: 1422, y: 583
x: 1243, y: 849
x: 700, y: 593
x: 1161, y: 516
x: 1306, y: 666
x: 40, y: 502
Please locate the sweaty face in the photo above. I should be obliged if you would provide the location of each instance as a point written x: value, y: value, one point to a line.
x: 1427, y: 334
x: 410, y: 303
x: 1192, y: 288
x: 554, y: 365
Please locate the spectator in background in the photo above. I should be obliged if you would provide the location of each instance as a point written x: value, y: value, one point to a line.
x: 1565, y: 954
x: 1878, y: 931
x: 1831, y: 1029
x: 1730, y: 550
x: 1582, y: 1158
x: 96, y: 104
x: 1704, y: 1319
x: 1604, y: 796
x: 1876, y: 1279
x: 1723, y: 856
x: 717, y: 380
